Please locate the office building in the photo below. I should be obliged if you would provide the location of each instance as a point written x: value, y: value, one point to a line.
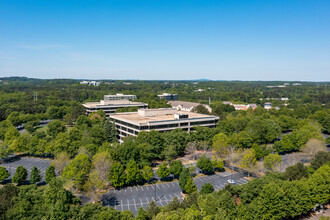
x: 169, y: 96
x: 119, y: 96
x: 166, y: 119
x: 187, y: 106
x: 110, y: 106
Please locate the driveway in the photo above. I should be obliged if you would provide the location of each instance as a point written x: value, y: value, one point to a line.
x: 131, y: 198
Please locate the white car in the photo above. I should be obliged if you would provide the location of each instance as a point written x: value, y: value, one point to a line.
x: 232, y: 182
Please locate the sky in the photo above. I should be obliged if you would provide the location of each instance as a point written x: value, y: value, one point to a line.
x: 166, y: 39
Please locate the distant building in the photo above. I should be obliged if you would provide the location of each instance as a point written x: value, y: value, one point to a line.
x: 296, y: 84
x: 241, y: 106
x: 200, y: 90
x: 119, y: 96
x: 90, y: 83
x: 169, y: 96
x: 286, y: 84
x: 186, y: 106
x: 131, y: 123
x: 110, y: 106
x: 267, y: 105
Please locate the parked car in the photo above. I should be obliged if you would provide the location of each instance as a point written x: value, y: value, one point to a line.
x: 232, y: 182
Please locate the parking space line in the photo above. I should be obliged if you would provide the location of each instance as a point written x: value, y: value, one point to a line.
x: 136, y: 188
x: 141, y: 201
x: 163, y: 185
x: 142, y: 188
x: 171, y: 197
x: 152, y: 187
x: 131, y: 189
x: 135, y: 205
x: 157, y: 186
x: 122, y: 207
x: 173, y: 184
x: 147, y: 199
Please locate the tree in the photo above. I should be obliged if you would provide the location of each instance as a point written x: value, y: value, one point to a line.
x: 147, y: 173
x: 319, y: 159
x: 296, y: 172
x: 55, y: 127
x: 77, y: 170
x: 110, y: 131
x: 220, y: 144
x: 5, y: 151
x: 152, y: 209
x: 207, y: 188
x: 7, y: 193
x: 163, y: 171
x: 313, y: 146
x: 93, y: 184
x: 191, y: 149
x: 29, y: 126
x: 141, y: 214
x: 201, y: 109
x: 183, y: 178
x: 205, y: 164
x: 4, y: 174
x: 272, y: 161
x: 50, y: 174
x: 102, y: 163
x: 190, y: 187
x: 218, y: 164
x: 20, y: 175
x: 176, y: 167
x: 133, y: 173
x: 61, y: 160
x: 249, y: 159
x: 117, y: 176
x: 35, y: 176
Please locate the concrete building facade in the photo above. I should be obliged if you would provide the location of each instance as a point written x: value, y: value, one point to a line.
x: 169, y: 97
x: 162, y: 120
x: 110, y: 106
x: 119, y: 96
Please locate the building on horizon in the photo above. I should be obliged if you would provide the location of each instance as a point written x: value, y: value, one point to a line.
x: 187, y: 106
x: 243, y: 107
x: 90, y: 83
x: 169, y: 97
x: 110, y: 106
x: 164, y: 119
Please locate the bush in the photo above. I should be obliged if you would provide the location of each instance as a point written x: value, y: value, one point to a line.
x: 207, y: 188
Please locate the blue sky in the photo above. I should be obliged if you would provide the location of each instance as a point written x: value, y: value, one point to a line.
x: 166, y: 39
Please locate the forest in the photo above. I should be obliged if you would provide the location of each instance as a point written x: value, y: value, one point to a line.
x: 88, y: 158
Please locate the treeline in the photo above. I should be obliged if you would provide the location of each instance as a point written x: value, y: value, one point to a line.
x: 18, y: 95
x: 275, y: 196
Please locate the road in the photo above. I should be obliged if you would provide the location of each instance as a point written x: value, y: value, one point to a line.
x: 131, y: 198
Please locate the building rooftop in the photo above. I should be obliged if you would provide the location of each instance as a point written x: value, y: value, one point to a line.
x: 156, y: 115
x: 183, y: 104
x: 110, y: 102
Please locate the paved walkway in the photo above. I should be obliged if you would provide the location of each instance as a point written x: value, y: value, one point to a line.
x: 131, y: 198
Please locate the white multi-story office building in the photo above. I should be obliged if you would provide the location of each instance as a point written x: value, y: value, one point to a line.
x: 131, y: 123
x: 119, y: 96
x: 110, y: 106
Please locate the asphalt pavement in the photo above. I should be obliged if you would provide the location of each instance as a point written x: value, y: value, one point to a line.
x: 131, y: 198
x: 28, y: 163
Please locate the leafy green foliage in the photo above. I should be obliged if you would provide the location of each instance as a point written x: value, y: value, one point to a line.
x: 50, y: 174
x: 163, y: 171
x: 77, y: 170
x: 35, y: 176
x: 20, y: 175
x: 296, y: 172
x: 117, y: 176
x: 271, y: 161
x: 206, y: 188
x: 205, y: 164
x: 4, y: 174
x: 176, y: 167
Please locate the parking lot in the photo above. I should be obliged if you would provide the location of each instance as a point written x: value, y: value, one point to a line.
x: 28, y: 163
x: 131, y: 198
